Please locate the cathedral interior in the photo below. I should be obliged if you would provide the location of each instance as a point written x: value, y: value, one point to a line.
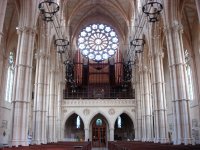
x: 99, y: 71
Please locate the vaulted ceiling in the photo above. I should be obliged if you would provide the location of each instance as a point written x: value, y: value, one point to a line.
x: 118, y: 13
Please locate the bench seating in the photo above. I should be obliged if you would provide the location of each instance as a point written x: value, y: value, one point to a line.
x: 54, y: 146
x: 133, y: 145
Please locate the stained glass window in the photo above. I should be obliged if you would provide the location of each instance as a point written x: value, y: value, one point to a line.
x: 78, y: 122
x: 99, y: 122
x: 10, y: 75
x: 119, y: 122
x: 98, y: 42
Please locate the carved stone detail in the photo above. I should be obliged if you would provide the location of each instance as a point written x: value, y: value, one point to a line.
x: 86, y: 112
x: 111, y: 111
x: 65, y: 111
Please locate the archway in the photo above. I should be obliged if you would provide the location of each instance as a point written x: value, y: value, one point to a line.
x: 99, y: 128
x: 124, y: 128
x: 74, y: 129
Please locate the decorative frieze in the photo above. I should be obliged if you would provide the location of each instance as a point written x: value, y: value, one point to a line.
x: 100, y: 103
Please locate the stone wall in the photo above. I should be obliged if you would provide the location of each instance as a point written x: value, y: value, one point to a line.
x: 87, y: 109
x: 5, y: 122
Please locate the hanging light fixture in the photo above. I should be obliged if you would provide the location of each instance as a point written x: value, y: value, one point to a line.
x: 152, y: 9
x: 48, y: 8
x: 138, y: 45
x: 61, y: 45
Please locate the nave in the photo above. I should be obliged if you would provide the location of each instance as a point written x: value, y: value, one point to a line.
x: 116, y: 145
x: 100, y: 71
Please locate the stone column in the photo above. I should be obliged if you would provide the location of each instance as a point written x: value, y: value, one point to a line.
x: 3, y: 5
x: 22, y: 85
x: 87, y: 134
x: 198, y: 8
x: 146, y: 104
x: 59, y: 110
x: 160, y: 114
x: 143, y: 133
x: 111, y: 134
x: 51, y: 109
x: 138, y: 130
x: 180, y: 100
x: 39, y: 111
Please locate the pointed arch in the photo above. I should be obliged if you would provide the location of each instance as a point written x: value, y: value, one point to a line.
x: 66, y: 117
x: 129, y: 114
x: 101, y: 113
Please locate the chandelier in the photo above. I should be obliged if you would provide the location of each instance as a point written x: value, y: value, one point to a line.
x: 61, y: 45
x: 48, y: 9
x: 152, y: 9
x: 138, y: 45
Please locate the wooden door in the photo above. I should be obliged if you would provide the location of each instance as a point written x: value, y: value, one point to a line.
x: 99, y: 134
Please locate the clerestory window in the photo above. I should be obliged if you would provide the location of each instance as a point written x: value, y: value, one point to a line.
x: 189, y: 75
x: 10, y: 77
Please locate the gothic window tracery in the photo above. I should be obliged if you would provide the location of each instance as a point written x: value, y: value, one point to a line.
x: 98, y: 42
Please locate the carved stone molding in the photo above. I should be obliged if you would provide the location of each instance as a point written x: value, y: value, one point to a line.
x: 99, y: 103
x: 86, y: 112
x: 111, y: 111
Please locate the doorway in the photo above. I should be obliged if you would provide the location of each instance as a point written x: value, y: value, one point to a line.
x: 99, y: 132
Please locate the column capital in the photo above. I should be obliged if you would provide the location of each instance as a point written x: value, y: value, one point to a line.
x: 175, y: 27
x: 52, y: 70
x: 156, y: 54
x: 26, y: 29
x: 144, y: 69
x: 41, y: 54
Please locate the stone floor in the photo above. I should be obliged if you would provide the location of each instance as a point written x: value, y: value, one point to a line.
x: 100, y: 148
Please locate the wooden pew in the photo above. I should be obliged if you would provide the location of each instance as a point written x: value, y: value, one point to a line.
x: 132, y: 145
x: 54, y: 146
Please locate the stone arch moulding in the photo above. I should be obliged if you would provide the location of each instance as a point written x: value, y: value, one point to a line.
x: 67, y: 115
x: 130, y: 114
x: 101, y: 113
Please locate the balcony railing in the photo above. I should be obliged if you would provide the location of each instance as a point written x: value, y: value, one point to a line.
x: 129, y: 94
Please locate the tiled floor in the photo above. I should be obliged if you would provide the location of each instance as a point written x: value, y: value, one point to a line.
x: 100, y: 148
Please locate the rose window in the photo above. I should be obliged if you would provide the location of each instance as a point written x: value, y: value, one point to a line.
x: 98, y: 42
